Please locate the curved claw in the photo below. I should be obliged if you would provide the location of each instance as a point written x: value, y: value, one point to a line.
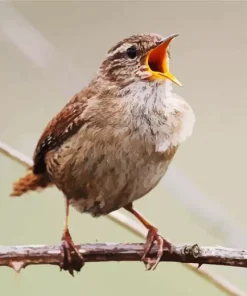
x: 152, y: 237
x: 72, y: 260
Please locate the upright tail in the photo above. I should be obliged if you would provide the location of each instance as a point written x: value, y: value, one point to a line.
x: 30, y: 182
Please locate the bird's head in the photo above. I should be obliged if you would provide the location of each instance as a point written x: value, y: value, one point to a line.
x: 142, y: 57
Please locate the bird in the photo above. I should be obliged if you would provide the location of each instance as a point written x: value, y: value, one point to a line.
x: 113, y: 142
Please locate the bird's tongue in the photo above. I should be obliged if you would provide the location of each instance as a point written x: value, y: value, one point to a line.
x: 157, y: 61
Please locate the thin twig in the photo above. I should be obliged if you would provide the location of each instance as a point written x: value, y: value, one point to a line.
x: 15, y: 155
x: 51, y: 254
x: 132, y: 226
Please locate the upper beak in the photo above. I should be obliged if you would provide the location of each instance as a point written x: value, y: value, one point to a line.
x: 157, y: 62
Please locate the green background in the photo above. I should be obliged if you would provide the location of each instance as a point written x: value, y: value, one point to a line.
x: 48, y: 51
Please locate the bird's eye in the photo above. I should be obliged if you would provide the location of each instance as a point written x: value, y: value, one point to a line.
x: 132, y: 52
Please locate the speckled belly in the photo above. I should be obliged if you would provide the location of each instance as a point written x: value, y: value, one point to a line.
x: 101, y: 177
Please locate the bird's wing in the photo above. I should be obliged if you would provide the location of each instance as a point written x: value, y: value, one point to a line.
x: 60, y: 128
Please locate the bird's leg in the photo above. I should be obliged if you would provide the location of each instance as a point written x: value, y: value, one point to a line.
x: 72, y: 259
x: 152, y: 236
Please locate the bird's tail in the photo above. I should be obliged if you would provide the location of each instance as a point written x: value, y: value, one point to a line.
x: 30, y: 182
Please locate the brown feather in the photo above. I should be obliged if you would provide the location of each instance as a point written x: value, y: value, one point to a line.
x: 30, y: 182
x: 60, y: 128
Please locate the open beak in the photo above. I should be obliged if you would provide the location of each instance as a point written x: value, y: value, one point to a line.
x: 157, y: 62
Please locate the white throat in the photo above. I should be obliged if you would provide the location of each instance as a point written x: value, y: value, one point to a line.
x: 162, y: 117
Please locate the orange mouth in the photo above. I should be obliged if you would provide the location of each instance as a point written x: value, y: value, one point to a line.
x: 157, y: 63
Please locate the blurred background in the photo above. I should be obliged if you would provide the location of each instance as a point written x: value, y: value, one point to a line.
x: 48, y: 52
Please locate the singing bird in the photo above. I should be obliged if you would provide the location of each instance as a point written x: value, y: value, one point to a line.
x: 113, y: 141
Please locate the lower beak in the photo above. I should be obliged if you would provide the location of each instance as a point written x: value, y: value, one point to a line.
x: 157, y: 61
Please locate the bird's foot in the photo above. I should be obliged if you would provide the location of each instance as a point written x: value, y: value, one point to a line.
x: 152, y: 237
x: 72, y: 260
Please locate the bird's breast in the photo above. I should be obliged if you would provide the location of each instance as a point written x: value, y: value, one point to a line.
x: 154, y: 114
x: 120, y: 154
x: 106, y: 173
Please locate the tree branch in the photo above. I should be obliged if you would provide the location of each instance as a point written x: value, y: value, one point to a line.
x: 19, y: 257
